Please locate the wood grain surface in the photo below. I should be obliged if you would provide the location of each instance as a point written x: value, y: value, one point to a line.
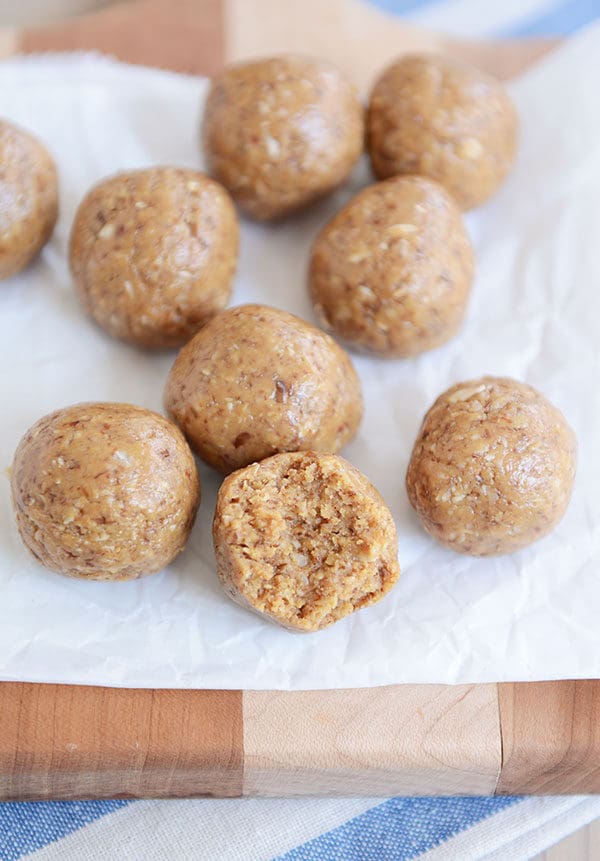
x: 60, y: 741
x: 413, y: 739
x: 550, y: 737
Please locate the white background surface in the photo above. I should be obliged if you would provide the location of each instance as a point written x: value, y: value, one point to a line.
x: 533, y: 314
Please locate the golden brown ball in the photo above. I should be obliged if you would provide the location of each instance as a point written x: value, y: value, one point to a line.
x: 444, y: 119
x: 281, y: 132
x: 153, y: 253
x: 492, y: 468
x: 256, y: 381
x: 392, y: 271
x: 304, y: 539
x: 28, y: 198
x: 104, y: 491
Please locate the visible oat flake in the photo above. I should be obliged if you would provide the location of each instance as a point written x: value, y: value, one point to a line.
x: 70, y: 515
x: 401, y: 229
x: 464, y: 393
x: 358, y: 256
x: 470, y: 148
x: 107, y: 231
x: 365, y: 292
x: 273, y: 147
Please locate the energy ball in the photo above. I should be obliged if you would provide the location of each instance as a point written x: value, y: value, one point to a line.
x: 304, y: 539
x: 492, y: 468
x: 104, y: 491
x: 153, y: 253
x: 28, y: 198
x: 282, y: 132
x: 444, y: 119
x: 256, y: 381
x: 392, y: 271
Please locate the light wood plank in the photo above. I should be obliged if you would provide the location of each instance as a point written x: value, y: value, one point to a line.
x: 409, y: 739
x: 358, y: 37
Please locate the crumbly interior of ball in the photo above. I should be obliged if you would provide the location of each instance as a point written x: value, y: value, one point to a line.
x: 308, y: 541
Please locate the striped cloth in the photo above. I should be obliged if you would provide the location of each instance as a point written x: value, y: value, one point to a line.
x: 365, y: 829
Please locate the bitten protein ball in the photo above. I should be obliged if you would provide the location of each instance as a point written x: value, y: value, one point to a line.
x: 282, y: 132
x: 153, y: 253
x: 304, y: 539
x: 28, y: 198
x: 444, y: 119
x: 104, y: 491
x: 256, y: 381
x: 492, y: 468
x: 392, y: 271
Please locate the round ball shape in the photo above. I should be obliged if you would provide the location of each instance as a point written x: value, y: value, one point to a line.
x: 153, y: 253
x: 28, y: 198
x: 304, y: 539
x: 282, y: 132
x: 392, y: 271
x: 492, y: 468
x: 256, y: 381
x: 444, y: 119
x: 104, y: 491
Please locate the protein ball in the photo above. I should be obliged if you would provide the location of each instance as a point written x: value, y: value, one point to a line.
x: 304, y: 539
x: 28, y: 198
x: 256, y: 381
x: 444, y: 119
x: 392, y: 271
x: 492, y: 468
x: 104, y: 491
x: 281, y: 132
x: 153, y: 253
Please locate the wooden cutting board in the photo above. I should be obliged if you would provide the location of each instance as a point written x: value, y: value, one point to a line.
x: 199, y: 36
x: 60, y: 741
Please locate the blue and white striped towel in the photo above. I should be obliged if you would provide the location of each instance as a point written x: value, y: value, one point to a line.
x: 366, y: 829
x: 306, y: 829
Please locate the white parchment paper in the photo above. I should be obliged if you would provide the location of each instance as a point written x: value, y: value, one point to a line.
x: 533, y: 315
